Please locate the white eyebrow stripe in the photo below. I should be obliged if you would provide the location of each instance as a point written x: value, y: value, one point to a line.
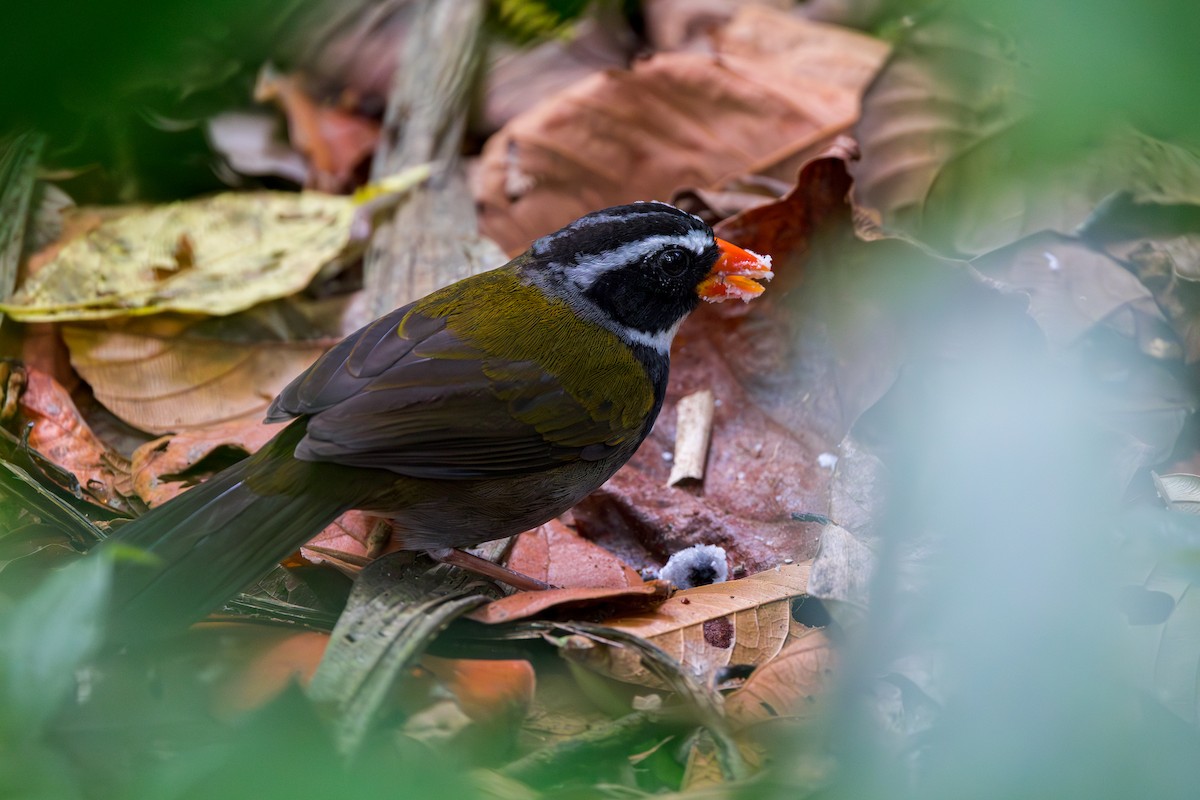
x: 588, y: 269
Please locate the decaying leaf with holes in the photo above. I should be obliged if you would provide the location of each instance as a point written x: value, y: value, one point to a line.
x: 742, y: 622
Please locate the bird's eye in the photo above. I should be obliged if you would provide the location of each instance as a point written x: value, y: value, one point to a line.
x: 673, y: 261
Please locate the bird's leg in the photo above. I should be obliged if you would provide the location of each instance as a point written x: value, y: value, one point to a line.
x: 463, y: 559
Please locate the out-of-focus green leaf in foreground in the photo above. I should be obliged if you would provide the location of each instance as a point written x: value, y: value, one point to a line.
x: 78, y: 722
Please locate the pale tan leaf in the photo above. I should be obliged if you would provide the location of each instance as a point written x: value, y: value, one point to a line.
x: 675, y: 120
x: 746, y: 621
x: 170, y: 373
x: 216, y: 255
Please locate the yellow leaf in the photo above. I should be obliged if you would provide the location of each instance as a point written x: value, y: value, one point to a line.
x: 216, y: 256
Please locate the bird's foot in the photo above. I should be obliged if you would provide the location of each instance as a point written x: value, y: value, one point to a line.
x: 488, y: 569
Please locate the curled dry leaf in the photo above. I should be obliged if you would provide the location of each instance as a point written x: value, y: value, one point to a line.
x: 675, y: 120
x: 241, y: 250
x: 745, y: 621
x: 1180, y: 491
x: 165, y: 467
x: 334, y: 141
x: 786, y: 686
x: 1071, y: 288
x: 60, y: 433
x: 555, y: 554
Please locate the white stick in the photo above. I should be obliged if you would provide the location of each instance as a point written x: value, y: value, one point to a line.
x: 693, y: 427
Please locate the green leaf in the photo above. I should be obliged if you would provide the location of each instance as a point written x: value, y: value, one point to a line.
x: 395, y: 610
x: 44, y: 639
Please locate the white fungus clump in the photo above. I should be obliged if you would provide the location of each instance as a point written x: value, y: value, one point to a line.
x: 698, y: 565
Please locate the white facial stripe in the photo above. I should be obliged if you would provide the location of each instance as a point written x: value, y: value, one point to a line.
x: 660, y: 341
x: 589, y: 269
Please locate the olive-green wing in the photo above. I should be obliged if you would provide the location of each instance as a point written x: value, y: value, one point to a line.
x: 407, y: 395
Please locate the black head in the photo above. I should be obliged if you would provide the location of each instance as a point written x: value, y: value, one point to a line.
x: 634, y: 268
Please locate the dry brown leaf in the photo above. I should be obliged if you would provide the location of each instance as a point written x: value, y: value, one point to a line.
x: 785, y: 228
x: 575, y: 603
x: 745, y: 621
x: 159, y: 375
x: 691, y: 24
x: 520, y: 77
x: 334, y: 141
x: 778, y: 408
x: 487, y: 691
x: 557, y: 555
x: 947, y: 90
x: 786, y: 686
x: 257, y: 663
x: 163, y: 468
x: 1071, y: 287
x: 60, y: 433
x: 353, y: 538
x: 166, y: 466
x: 675, y: 120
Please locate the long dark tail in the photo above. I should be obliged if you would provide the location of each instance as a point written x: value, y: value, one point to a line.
x: 213, y: 540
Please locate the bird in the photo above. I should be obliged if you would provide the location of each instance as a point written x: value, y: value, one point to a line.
x: 479, y: 411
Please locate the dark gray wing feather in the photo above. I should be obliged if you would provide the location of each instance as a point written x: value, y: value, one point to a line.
x: 406, y: 395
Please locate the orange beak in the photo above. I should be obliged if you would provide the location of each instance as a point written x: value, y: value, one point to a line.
x: 735, y: 275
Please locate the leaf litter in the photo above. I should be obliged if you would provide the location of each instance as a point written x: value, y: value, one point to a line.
x: 806, y: 376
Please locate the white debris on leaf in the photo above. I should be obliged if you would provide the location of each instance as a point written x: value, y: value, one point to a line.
x: 827, y: 461
x: 698, y: 565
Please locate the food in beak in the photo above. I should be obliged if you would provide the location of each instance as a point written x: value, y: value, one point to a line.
x: 735, y: 275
